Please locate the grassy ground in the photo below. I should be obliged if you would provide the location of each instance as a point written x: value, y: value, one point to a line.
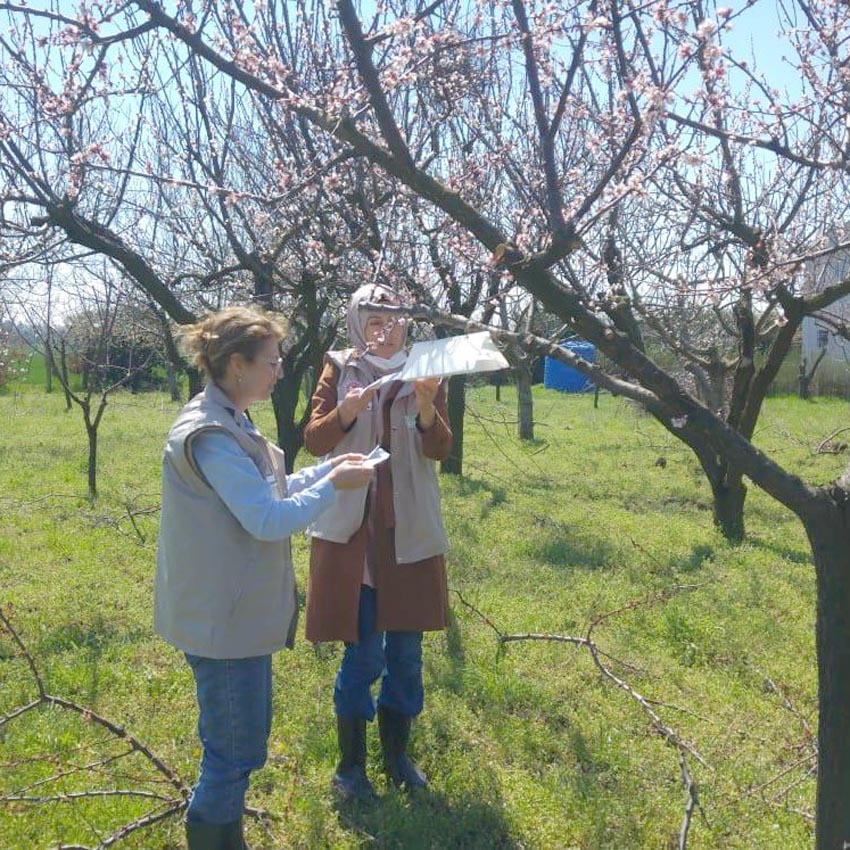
x: 530, y: 748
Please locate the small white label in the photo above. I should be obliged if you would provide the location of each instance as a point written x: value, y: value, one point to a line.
x: 376, y: 456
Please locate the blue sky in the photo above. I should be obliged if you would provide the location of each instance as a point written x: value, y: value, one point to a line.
x: 756, y: 36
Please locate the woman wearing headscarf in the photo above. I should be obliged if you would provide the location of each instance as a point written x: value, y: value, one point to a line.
x: 377, y: 571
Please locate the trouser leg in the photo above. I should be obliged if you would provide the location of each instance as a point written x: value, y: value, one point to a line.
x: 400, y: 700
x: 234, y: 702
x: 362, y: 663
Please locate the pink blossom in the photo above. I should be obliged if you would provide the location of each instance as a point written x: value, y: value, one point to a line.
x: 706, y: 29
x: 598, y: 23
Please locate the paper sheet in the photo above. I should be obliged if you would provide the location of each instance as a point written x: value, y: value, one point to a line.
x: 386, y: 379
x: 455, y: 355
x: 441, y: 358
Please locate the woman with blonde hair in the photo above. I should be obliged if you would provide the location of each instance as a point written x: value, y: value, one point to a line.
x: 225, y: 588
x: 377, y: 572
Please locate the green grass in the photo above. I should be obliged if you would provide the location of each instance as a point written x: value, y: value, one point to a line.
x: 529, y: 748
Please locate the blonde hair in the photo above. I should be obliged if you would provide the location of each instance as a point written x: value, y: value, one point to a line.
x: 210, y: 342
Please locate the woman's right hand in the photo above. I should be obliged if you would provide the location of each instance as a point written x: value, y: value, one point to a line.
x: 350, y: 474
x: 353, y: 404
x: 353, y: 456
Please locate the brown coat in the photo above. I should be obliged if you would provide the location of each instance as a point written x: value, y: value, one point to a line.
x: 410, y: 597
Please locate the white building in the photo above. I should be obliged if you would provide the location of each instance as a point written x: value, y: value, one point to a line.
x: 816, y: 333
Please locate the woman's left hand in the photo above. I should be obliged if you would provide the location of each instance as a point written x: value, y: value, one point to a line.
x: 426, y: 391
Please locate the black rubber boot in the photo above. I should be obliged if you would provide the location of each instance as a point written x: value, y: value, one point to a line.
x: 395, y: 734
x: 215, y: 836
x: 234, y: 837
x: 350, y: 781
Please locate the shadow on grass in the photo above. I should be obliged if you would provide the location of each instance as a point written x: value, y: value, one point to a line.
x: 473, y: 487
x: 466, y: 525
x: 700, y: 555
x: 426, y: 819
x: 648, y: 503
x: 564, y: 549
x: 795, y: 556
x: 93, y: 637
x: 90, y: 640
x: 430, y: 821
x: 447, y: 672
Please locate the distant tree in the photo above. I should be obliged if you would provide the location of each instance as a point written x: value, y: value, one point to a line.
x: 109, y: 358
x: 131, y: 352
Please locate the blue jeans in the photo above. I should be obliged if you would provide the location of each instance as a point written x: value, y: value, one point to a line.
x: 396, y: 655
x: 235, y: 718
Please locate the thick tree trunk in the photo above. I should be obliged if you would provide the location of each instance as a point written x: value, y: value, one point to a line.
x: 729, y: 494
x: 829, y: 533
x: 456, y: 402
x: 525, y: 404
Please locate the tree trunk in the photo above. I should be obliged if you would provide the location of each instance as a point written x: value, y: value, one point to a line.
x: 805, y: 378
x: 828, y: 528
x: 803, y: 381
x: 729, y: 494
x: 91, y: 431
x: 63, y: 367
x: 525, y: 404
x: 196, y: 383
x: 173, y: 384
x: 173, y: 361
x: 456, y: 402
x: 290, y: 434
x: 710, y: 384
x: 48, y: 366
x: 302, y: 362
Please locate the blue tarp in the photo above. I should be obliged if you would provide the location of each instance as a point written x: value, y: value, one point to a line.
x: 559, y: 376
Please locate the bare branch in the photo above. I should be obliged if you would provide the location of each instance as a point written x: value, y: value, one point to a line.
x: 683, y: 748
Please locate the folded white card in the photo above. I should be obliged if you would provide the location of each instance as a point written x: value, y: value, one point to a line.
x: 441, y: 358
x: 376, y: 456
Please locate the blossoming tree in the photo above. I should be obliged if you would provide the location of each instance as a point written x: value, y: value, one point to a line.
x: 582, y: 115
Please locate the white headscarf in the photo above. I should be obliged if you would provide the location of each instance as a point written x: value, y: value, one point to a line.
x: 356, y: 320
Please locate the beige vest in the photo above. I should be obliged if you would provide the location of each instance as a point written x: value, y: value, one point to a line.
x: 219, y: 592
x: 419, y: 531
